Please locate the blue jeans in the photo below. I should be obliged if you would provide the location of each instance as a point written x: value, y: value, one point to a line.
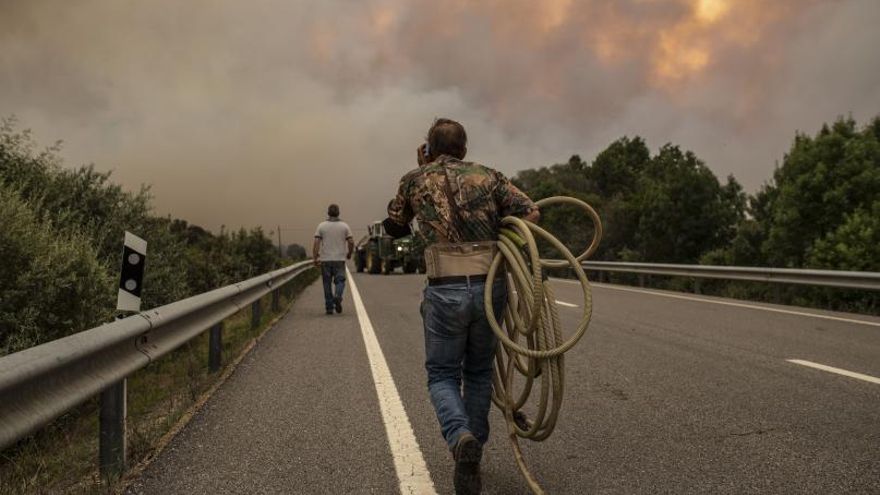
x: 459, y: 344
x: 332, y: 272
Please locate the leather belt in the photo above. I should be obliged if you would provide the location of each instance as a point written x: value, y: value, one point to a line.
x: 458, y: 279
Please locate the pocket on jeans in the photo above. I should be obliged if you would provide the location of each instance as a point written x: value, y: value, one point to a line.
x: 441, y: 311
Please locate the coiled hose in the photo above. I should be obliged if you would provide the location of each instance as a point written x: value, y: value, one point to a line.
x: 532, y: 342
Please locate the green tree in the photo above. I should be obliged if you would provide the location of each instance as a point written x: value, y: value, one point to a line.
x: 818, y: 210
x: 822, y: 184
x: 256, y: 252
x: 616, y: 170
x: 683, y: 211
x: 296, y: 252
x: 853, y: 245
x: 666, y: 208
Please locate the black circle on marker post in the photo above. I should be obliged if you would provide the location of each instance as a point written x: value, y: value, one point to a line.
x: 132, y: 271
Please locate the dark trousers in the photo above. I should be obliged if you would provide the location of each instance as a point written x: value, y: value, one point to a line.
x: 460, y: 347
x: 333, y: 275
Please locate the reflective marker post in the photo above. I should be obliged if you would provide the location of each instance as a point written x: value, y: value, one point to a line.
x: 112, y: 444
x: 134, y: 257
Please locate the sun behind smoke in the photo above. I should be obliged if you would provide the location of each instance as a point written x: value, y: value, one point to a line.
x: 709, y: 11
x: 684, y: 50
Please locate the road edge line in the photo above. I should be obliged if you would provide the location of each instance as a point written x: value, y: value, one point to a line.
x: 409, y: 464
x: 838, y: 371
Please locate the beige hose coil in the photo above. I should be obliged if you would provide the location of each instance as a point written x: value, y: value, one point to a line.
x: 532, y: 342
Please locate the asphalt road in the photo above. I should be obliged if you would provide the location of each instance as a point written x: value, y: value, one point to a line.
x: 667, y: 393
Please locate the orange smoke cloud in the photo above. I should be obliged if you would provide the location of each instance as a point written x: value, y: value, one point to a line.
x: 689, y: 47
x: 685, y: 49
x: 671, y: 42
x: 510, y: 55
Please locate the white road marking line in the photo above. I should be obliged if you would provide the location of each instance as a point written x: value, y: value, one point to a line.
x: 412, y: 472
x: 738, y: 305
x: 831, y: 369
x: 567, y: 304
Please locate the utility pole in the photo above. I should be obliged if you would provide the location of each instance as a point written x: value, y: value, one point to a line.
x: 280, y: 252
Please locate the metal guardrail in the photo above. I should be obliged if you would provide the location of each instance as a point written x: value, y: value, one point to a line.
x: 41, y: 383
x: 823, y: 278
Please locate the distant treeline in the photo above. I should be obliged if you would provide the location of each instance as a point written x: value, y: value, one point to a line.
x: 821, y: 209
x: 61, y: 233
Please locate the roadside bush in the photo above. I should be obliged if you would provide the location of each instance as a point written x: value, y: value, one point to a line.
x: 51, y: 282
x: 62, y: 231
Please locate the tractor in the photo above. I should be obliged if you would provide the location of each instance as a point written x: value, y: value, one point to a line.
x: 378, y: 252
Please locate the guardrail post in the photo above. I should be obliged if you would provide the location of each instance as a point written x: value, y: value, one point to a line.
x: 697, y: 286
x: 276, y: 302
x: 256, y: 313
x: 641, y: 280
x: 215, y: 348
x: 111, y: 441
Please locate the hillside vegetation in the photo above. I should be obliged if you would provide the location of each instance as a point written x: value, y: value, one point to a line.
x: 61, y: 242
x: 820, y: 209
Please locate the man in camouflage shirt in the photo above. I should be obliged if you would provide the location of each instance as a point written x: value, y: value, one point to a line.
x: 459, y: 344
x: 484, y: 197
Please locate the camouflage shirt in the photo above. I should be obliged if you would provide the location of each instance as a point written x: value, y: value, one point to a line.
x: 484, y: 196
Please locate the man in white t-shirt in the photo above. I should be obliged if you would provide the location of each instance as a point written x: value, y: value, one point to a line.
x: 333, y: 245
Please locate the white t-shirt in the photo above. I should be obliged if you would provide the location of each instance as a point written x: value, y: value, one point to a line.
x: 333, y: 234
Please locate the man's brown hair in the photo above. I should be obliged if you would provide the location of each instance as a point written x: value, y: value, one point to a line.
x: 447, y: 137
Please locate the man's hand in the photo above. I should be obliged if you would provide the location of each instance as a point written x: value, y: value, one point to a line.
x: 316, y: 249
x: 420, y: 151
x: 348, y: 256
x: 534, y: 216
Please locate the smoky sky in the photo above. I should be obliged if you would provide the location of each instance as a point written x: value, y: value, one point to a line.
x: 264, y: 112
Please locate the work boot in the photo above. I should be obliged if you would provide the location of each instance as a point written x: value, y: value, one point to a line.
x: 329, y: 311
x: 467, y: 454
x: 337, y: 301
